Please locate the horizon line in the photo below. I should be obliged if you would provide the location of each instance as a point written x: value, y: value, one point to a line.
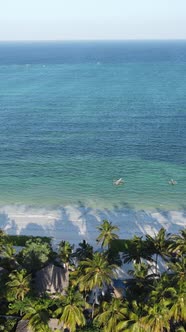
x: 92, y: 40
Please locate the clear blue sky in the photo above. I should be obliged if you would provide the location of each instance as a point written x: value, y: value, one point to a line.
x: 92, y: 19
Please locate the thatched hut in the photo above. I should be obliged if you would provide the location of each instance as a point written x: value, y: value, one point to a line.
x: 52, y: 279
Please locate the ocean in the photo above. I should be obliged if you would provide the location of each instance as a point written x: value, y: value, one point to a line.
x: 74, y: 116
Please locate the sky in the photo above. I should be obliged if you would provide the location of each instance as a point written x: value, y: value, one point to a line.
x: 92, y: 19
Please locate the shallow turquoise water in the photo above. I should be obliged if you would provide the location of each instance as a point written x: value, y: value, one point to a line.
x: 74, y: 120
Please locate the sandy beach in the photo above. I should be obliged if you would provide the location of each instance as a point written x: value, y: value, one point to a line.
x: 75, y: 223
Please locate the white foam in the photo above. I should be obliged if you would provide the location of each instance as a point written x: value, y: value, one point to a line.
x: 75, y: 223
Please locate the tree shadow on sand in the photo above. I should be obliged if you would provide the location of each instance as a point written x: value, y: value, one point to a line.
x: 172, y: 221
x: 7, y: 225
x: 76, y: 223
x: 79, y: 222
x: 33, y: 229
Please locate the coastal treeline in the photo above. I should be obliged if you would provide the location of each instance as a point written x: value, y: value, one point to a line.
x: 80, y: 289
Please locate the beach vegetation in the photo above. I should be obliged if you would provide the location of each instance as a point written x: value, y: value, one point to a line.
x: 18, y: 284
x: 178, y: 243
x: 158, y: 245
x: 20, y: 240
x: 70, y: 309
x: 111, y: 314
x: 7, y: 324
x: 8, y: 257
x: 107, y: 233
x: 65, y: 251
x: 2, y: 239
x: 97, y: 272
x: 95, y: 298
x: 35, y: 255
x: 136, y: 250
x: 38, y: 314
x: 84, y: 251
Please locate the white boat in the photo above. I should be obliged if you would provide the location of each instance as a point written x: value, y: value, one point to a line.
x: 118, y: 182
x: 173, y: 182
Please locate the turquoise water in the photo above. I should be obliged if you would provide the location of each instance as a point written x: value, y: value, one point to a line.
x: 75, y: 116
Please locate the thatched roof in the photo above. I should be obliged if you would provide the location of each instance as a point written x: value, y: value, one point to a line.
x: 22, y: 326
x: 52, y: 279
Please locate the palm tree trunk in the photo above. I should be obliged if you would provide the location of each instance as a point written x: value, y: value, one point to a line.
x: 93, y: 304
x: 156, y: 263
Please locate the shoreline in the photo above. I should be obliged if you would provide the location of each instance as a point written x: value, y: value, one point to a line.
x: 74, y: 223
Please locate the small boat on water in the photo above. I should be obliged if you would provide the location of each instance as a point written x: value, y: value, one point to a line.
x: 118, y: 182
x: 172, y: 182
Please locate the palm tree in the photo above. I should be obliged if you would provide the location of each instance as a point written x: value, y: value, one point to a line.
x: 19, y: 284
x: 141, y: 284
x: 113, y: 257
x: 97, y: 272
x: 158, y: 245
x: 168, y: 291
x: 70, y: 310
x: 178, y: 304
x: 157, y: 318
x: 65, y: 253
x: 177, y: 290
x: 178, y: 246
x: 2, y: 238
x: 18, y: 307
x: 9, y: 258
x: 106, y: 233
x: 179, y: 269
x: 37, y: 313
x: 134, y: 250
x: 8, y: 251
x: 112, y: 314
x: 84, y: 251
x: 159, y: 287
x: 133, y: 318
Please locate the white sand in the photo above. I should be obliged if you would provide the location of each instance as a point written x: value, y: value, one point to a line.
x: 74, y: 223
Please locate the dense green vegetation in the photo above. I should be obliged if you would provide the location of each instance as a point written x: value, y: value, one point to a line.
x: 20, y: 240
x: 151, y: 300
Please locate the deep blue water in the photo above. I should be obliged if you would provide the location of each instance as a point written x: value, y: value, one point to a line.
x: 76, y: 115
x: 115, y: 52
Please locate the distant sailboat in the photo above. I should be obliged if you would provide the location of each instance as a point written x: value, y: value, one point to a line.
x: 118, y: 182
x: 172, y: 182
